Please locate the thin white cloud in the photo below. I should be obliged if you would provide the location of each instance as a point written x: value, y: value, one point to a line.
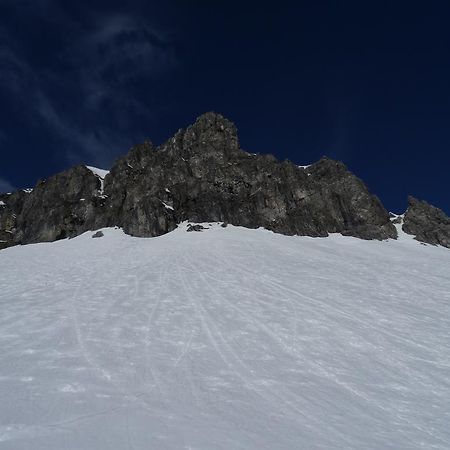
x: 117, y: 51
x: 95, y: 145
x: 6, y: 186
x: 91, y: 108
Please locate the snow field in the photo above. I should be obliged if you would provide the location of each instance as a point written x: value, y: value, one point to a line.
x: 224, y: 339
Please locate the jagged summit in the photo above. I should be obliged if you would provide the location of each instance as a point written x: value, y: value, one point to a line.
x: 211, y: 133
x: 214, y: 122
x: 200, y: 174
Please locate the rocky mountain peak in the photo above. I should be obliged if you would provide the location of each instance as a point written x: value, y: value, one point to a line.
x: 202, y: 175
x: 211, y: 135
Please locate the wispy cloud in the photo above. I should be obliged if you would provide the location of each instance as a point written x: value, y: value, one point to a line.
x: 6, y: 186
x: 96, y: 144
x: 87, y: 97
x: 117, y: 52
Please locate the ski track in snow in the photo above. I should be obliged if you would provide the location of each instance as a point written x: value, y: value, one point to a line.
x: 224, y: 339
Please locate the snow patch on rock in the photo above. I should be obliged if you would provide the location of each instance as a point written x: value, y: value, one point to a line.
x: 101, y: 174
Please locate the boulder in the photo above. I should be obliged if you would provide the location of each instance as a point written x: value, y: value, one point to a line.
x: 196, y: 227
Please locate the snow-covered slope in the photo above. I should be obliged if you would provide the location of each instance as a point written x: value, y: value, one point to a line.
x: 225, y: 339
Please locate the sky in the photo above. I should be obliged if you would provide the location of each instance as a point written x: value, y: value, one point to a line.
x: 367, y: 83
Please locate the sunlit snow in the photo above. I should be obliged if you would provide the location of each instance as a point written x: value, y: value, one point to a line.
x: 225, y: 339
x: 101, y: 174
x: 167, y: 206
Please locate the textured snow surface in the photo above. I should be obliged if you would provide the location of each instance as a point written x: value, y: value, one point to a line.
x: 225, y: 339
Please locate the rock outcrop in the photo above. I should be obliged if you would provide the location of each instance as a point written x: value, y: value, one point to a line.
x: 427, y: 223
x: 11, y: 205
x: 199, y: 175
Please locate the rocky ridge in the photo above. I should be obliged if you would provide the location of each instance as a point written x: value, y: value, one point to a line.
x: 428, y: 223
x: 201, y: 175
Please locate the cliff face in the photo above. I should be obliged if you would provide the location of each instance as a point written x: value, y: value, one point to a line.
x: 65, y: 205
x: 10, y: 206
x: 200, y: 175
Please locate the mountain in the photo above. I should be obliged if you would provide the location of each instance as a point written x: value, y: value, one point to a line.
x: 201, y: 174
x: 276, y: 306
x: 228, y: 338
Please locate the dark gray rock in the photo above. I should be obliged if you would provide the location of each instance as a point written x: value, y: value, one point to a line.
x: 427, y: 223
x: 196, y: 227
x: 200, y: 175
x: 98, y: 234
x: 10, y: 209
x: 63, y: 206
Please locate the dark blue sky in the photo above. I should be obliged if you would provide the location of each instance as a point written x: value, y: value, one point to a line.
x: 364, y: 82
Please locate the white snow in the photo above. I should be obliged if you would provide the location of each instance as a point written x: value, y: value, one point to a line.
x: 396, y: 216
x: 101, y: 174
x: 304, y: 167
x: 226, y: 339
x: 2, y: 203
x: 167, y: 206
